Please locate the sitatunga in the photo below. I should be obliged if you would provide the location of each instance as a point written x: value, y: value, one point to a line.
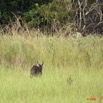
x: 36, y: 69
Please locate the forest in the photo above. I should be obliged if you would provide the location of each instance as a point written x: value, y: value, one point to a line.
x: 53, y: 16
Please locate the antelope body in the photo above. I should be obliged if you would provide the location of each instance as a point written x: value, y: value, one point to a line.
x: 36, y: 69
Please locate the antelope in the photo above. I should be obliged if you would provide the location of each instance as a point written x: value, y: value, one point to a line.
x: 36, y: 69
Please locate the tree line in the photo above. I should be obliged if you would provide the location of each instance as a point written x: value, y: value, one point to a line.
x: 85, y: 16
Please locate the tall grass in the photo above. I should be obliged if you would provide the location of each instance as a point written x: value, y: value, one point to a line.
x: 72, y: 69
x: 59, y: 52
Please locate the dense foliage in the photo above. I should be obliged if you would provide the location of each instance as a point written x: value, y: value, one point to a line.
x: 51, y: 15
x: 18, y: 7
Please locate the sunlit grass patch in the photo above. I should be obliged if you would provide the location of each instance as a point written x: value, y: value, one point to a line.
x: 52, y: 86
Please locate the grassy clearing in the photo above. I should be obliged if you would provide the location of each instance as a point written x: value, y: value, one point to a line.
x: 51, y: 87
x: 63, y: 57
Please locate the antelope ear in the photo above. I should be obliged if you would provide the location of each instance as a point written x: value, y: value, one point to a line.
x: 42, y: 62
x: 37, y: 63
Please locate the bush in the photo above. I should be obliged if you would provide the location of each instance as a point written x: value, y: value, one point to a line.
x: 48, y: 16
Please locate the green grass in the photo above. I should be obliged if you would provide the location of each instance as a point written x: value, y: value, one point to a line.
x: 52, y: 87
x: 81, y: 59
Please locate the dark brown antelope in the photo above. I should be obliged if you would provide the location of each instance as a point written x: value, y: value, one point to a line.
x: 36, y: 69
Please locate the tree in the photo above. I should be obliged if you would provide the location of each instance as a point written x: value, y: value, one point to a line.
x: 89, y: 16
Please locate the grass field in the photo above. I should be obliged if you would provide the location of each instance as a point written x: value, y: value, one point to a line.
x: 72, y: 72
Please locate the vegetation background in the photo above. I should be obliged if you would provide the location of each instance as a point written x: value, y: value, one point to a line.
x: 50, y: 16
x: 66, y: 35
